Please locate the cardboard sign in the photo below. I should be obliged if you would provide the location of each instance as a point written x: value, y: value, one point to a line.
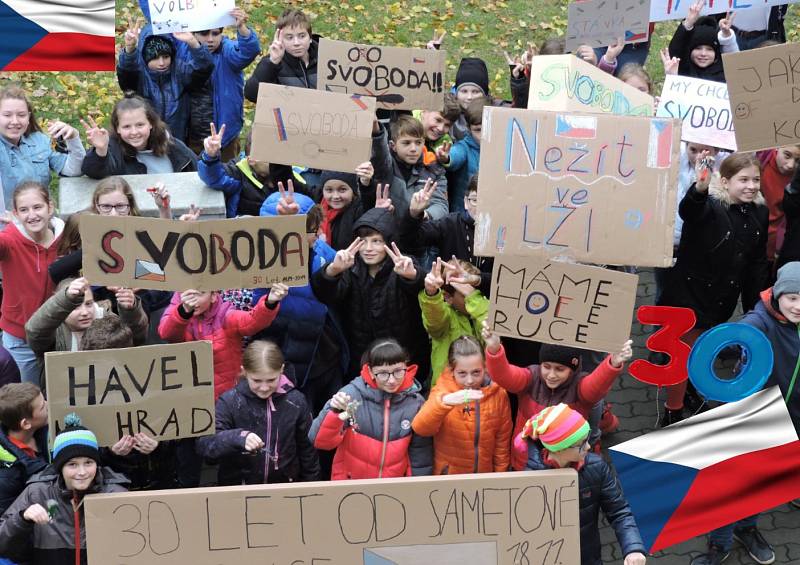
x: 399, y: 78
x: 564, y: 83
x: 562, y: 303
x: 764, y: 86
x: 168, y: 16
x: 165, y: 391
x: 600, y: 22
x: 493, y: 518
x: 594, y: 188
x: 703, y: 108
x: 322, y: 130
x: 661, y: 10
x: 210, y: 255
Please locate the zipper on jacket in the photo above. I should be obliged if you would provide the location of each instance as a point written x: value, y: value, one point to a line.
x: 723, y: 240
x: 76, y: 526
x: 477, y: 433
x: 386, y: 404
x: 794, y: 375
x: 267, y: 442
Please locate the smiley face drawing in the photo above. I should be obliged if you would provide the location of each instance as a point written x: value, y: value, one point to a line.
x: 742, y: 110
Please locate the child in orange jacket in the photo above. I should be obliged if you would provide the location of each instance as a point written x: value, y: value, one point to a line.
x: 468, y: 415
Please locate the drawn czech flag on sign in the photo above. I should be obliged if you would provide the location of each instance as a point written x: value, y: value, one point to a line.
x: 57, y: 35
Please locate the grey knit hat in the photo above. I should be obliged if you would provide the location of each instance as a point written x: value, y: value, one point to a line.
x: 788, y: 280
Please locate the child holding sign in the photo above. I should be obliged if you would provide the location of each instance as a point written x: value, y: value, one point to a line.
x: 557, y: 378
x: 262, y: 425
x: 468, y: 415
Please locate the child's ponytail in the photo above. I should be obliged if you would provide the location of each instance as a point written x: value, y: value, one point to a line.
x: 464, y: 346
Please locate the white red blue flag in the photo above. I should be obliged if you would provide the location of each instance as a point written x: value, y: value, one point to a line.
x: 57, y: 35
x: 710, y: 470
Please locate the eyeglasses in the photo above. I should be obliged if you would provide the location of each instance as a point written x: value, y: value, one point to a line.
x: 120, y: 208
x: 397, y: 374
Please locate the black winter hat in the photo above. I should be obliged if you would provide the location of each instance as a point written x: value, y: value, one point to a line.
x: 705, y: 33
x: 379, y: 219
x: 473, y: 71
x: 156, y: 45
x: 348, y: 178
x: 567, y: 356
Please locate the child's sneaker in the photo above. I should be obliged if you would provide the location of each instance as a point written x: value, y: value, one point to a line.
x: 756, y: 545
x: 609, y: 421
x: 715, y: 556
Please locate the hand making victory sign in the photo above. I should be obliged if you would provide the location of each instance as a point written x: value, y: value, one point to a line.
x: 276, y: 48
x: 436, y: 42
x: 132, y: 35
x: 382, y: 199
x: 287, y: 205
x: 422, y: 199
x: 344, y: 259
x: 403, y: 265
x: 213, y: 143
x: 97, y: 136
x: 435, y: 279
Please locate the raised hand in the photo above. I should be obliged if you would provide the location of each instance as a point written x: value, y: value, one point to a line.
x: 435, y: 279
x: 190, y: 299
x: 365, y: 172
x: 491, y: 339
x: 460, y: 397
x: 340, y: 401
x: 160, y: 195
x: 726, y: 23
x: 403, y: 265
x: 422, y: 199
x: 702, y: 168
x: 97, y: 136
x: 213, y: 143
x: 443, y: 152
x: 613, y: 50
x: 586, y: 52
x: 192, y: 215
x: 436, y: 42
x: 123, y: 447
x: 287, y: 205
x: 77, y: 288
x: 619, y: 358
x: 57, y: 128
x: 670, y: 63
x: 382, y: 199
x: 276, y: 48
x: 241, y: 21
x: 460, y: 279
x: 126, y: 299
x: 277, y: 292
x: 694, y: 14
x: 345, y: 258
x: 187, y: 37
x: 132, y: 35
x: 253, y: 443
x: 37, y: 514
x: 144, y: 444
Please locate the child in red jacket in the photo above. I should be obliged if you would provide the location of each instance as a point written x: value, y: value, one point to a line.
x: 556, y: 379
x: 195, y: 316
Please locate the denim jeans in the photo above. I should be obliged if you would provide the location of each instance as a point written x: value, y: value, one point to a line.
x: 24, y: 357
x: 723, y: 537
x: 750, y: 42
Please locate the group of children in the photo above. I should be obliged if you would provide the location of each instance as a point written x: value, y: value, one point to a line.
x: 384, y: 365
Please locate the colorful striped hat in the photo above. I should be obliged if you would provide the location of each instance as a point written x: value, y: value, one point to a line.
x: 557, y: 427
x: 74, y: 441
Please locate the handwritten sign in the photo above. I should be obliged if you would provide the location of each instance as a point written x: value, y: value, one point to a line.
x: 168, y: 16
x: 703, y: 108
x: 594, y: 188
x: 210, y: 255
x: 399, y: 78
x: 661, y: 10
x: 564, y: 83
x: 496, y: 518
x: 165, y: 391
x: 562, y: 303
x: 764, y: 86
x: 599, y: 22
x: 324, y: 130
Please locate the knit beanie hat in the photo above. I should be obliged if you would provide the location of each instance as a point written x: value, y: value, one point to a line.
x: 567, y: 356
x: 557, y: 427
x: 349, y: 179
x: 74, y: 441
x: 156, y: 45
x: 788, y: 280
x: 704, y: 33
x: 473, y: 71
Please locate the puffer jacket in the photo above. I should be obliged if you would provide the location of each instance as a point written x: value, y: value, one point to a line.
x: 722, y: 255
x: 282, y: 422
x: 785, y: 339
x: 291, y: 71
x: 472, y: 438
x: 117, y: 162
x: 380, y: 443
x: 16, y: 466
x: 167, y: 91
x: 591, y: 388
x: 598, y: 489
x: 464, y: 158
x: 224, y: 326
x: 52, y: 543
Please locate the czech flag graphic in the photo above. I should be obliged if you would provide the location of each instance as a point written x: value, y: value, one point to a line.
x: 576, y: 127
x: 710, y: 470
x: 57, y: 35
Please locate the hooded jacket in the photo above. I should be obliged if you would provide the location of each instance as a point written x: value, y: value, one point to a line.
x: 722, y: 255
x: 291, y: 71
x: 167, y: 91
x: 26, y: 281
x: 472, y: 438
x: 581, y: 391
x: 465, y: 155
x: 785, y: 339
x: 224, y: 326
x: 704, y: 32
x: 117, y: 162
x: 282, y: 421
x: 380, y: 443
x: 52, y: 543
x: 16, y: 466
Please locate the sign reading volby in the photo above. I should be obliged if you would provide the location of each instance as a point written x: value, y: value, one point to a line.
x: 400, y: 78
x: 165, y: 391
x: 209, y: 255
x: 564, y: 83
x: 562, y: 303
x: 323, y: 130
x: 489, y: 519
x: 595, y: 188
x: 764, y: 87
x: 190, y: 15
